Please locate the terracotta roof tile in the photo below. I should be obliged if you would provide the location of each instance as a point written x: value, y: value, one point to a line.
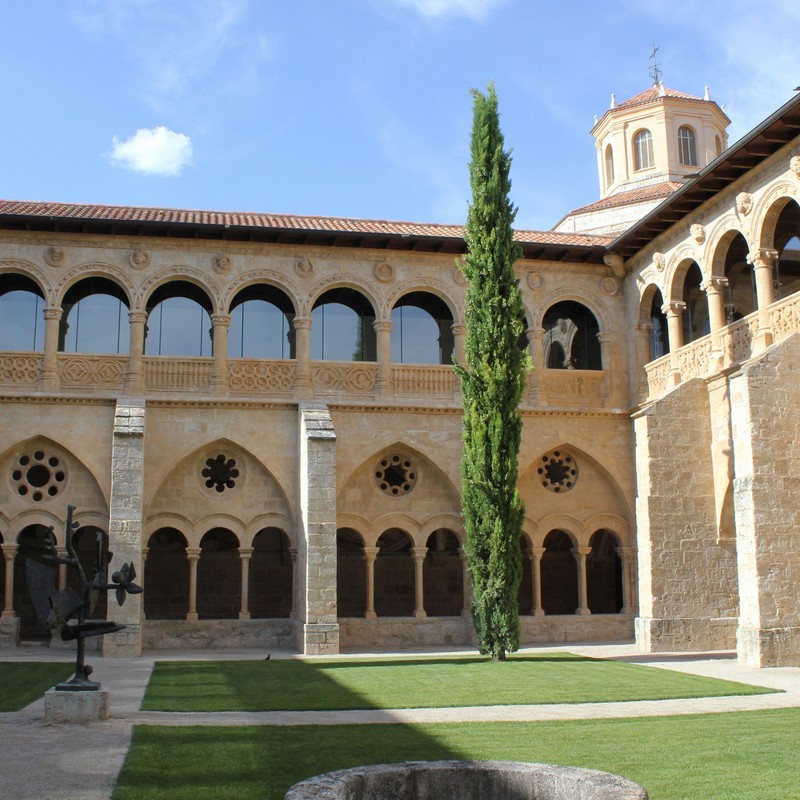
x: 335, y: 225
x: 657, y: 191
x: 654, y: 93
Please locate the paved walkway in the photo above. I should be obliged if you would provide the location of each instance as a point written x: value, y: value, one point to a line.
x: 81, y: 762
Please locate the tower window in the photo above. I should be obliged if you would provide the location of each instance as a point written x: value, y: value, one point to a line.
x: 687, y: 146
x: 643, y: 150
x: 609, y: 165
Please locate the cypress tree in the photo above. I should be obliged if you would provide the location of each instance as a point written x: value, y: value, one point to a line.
x: 492, y: 381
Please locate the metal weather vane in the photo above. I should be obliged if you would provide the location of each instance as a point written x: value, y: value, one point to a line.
x: 655, y: 70
x: 69, y: 612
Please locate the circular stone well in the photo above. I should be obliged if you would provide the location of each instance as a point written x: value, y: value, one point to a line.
x: 466, y: 780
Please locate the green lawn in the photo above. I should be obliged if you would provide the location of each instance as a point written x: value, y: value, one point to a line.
x: 305, y: 685
x: 737, y: 756
x: 22, y: 683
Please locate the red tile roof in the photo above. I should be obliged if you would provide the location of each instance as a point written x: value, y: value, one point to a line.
x: 654, y: 93
x: 658, y: 191
x: 71, y: 212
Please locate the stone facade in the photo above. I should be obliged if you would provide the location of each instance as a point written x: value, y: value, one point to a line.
x: 305, y: 500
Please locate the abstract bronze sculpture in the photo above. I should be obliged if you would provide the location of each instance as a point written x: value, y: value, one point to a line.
x: 69, y: 612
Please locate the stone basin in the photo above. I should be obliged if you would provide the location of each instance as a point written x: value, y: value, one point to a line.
x: 466, y: 780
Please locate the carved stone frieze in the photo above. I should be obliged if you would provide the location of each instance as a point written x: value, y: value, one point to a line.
x: 20, y: 369
x: 304, y: 268
x: 257, y: 376
x: 535, y: 281
x: 794, y: 166
x: 610, y: 285
x: 346, y: 379
x: 384, y: 272
x: 744, y: 203
x: 139, y: 259
x: 54, y: 256
x: 659, y: 261
x: 91, y: 371
x: 698, y: 232
x: 222, y: 264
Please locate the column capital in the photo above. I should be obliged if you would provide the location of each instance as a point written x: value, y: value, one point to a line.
x: 674, y: 308
x: 53, y: 312
x: 382, y: 326
x: 302, y: 323
x: 371, y: 553
x: 419, y: 553
x: 581, y: 551
x: 193, y: 553
x: 625, y: 552
x: 538, y: 552
x: 762, y: 257
x: 714, y: 284
x: 245, y: 553
x: 223, y: 320
x: 458, y: 329
x: 535, y: 334
x: 137, y: 317
x: 9, y: 551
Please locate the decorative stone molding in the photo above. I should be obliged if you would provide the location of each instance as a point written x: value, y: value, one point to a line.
x: 535, y: 280
x: 610, y: 285
x: 558, y: 471
x: 744, y: 203
x: 395, y: 475
x: 659, y: 261
x: 222, y: 264
x: 384, y: 272
x: 761, y: 258
x: 674, y: 308
x: 794, y: 166
x: 304, y: 268
x: 139, y: 259
x: 698, y: 233
x: 716, y: 283
x: 616, y: 262
x: 458, y: 277
x: 54, y: 256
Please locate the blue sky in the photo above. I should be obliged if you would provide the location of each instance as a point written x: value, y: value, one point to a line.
x: 353, y: 108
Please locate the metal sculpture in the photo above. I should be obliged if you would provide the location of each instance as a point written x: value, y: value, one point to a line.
x: 69, y: 612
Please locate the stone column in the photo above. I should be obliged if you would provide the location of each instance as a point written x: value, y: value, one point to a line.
x: 535, y: 381
x: 466, y: 611
x: 459, y: 343
x: 302, y: 351
x: 644, y: 333
x: 626, y: 555
x: 536, y: 579
x: 134, y: 375
x: 293, y: 556
x: 143, y: 576
x: 125, y: 520
x: 714, y: 288
x: 370, y: 554
x: 383, y: 381
x: 9, y: 553
x: 608, y: 356
x: 52, y: 318
x: 674, y: 312
x: 418, y: 554
x: 318, y: 626
x: 193, y: 554
x: 763, y: 261
x: 219, y: 349
x: 245, y: 554
x: 580, y: 554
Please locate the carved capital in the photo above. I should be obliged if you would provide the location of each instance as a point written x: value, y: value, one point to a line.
x: 53, y: 312
x: 371, y: 553
x: 458, y: 329
x: 616, y: 262
x: 674, y: 308
x: 193, y: 553
x: 137, y: 317
x: 581, y: 551
x: 419, y: 553
x: 220, y: 320
x: 535, y: 334
x: 382, y: 325
x: 302, y: 323
x: 714, y: 284
x: 762, y: 258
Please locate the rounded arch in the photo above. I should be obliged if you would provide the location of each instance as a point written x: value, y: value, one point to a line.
x: 571, y: 337
x: 22, y: 305
x: 27, y: 269
x: 559, y: 572
x: 642, y: 147
x: 271, y: 575
x: 271, y: 520
x: 394, y: 574
x: 92, y: 319
x: 340, y: 281
x: 173, y: 521
x: 219, y: 575
x: 181, y: 275
x: 452, y: 522
x: 432, y: 287
x: 422, y: 329
x: 687, y: 146
x: 108, y: 272
x: 613, y: 524
x: 351, y: 582
x: 576, y: 295
x: 268, y: 278
x: 261, y: 323
x: 768, y: 208
x: 604, y: 573
x: 37, y: 518
x: 166, y: 574
x: 221, y: 521
x: 400, y: 521
x: 567, y: 523
x: 443, y: 574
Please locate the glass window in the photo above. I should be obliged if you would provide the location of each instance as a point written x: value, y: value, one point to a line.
x: 21, y: 314
x: 178, y: 321
x: 643, y: 150
x: 570, y: 337
x: 94, y: 318
x: 261, y: 324
x: 687, y: 146
x: 421, y: 330
x: 342, y: 327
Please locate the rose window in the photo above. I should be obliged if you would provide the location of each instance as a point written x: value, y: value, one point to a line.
x: 38, y: 475
x: 558, y: 471
x: 395, y: 475
x: 220, y: 473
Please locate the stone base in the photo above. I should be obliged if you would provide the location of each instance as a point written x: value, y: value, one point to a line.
x: 60, y: 707
x: 319, y: 639
x: 685, y: 634
x: 768, y: 647
x: 9, y: 631
x: 123, y: 644
x: 161, y: 634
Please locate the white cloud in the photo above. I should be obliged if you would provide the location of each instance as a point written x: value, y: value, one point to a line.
x: 153, y: 151
x: 436, y: 9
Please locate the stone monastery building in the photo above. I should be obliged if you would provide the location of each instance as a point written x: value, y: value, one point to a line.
x: 260, y: 411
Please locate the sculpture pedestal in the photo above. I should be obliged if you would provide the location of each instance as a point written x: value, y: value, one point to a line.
x: 62, y: 706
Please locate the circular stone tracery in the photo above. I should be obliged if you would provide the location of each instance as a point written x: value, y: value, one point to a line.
x: 395, y: 475
x: 220, y: 473
x: 38, y: 475
x: 558, y: 471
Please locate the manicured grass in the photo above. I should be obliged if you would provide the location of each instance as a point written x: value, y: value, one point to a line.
x: 22, y: 683
x: 416, y: 683
x: 738, y: 756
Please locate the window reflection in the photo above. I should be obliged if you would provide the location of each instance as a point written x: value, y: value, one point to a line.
x: 421, y: 330
x: 261, y: 324
x: 21, y: 314
x: 178, y: 321
x: 342, y: 327
x: 94, y: 318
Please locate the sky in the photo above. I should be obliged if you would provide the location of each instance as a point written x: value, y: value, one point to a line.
x: 354, y: 108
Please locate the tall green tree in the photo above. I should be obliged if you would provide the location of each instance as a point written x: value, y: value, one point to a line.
x: 492, y: 381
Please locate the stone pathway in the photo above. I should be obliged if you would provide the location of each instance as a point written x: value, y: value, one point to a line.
x: 81, y: 762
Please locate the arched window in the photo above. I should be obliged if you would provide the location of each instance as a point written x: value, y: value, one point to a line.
x: 570, y: 337
x: 167, y: 576
x: 609, y: 165
x: 178, y: 321
x: 394, y: 575
x: 94, y: 318
x: 421, y: 330
x: 787, y: 243
x: 604, y: 574
x: 342, y: 327
x: 351, y: 581
x: 219, y: 576
x: 740, y: 293
x: 271, y: 575
x: 643, y: 150
x: 261, y: 324
x: 659, y: 333
x: 21, y: 314
x: 695, y: 317
x: 443, y: 572
x: 687, y: 147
